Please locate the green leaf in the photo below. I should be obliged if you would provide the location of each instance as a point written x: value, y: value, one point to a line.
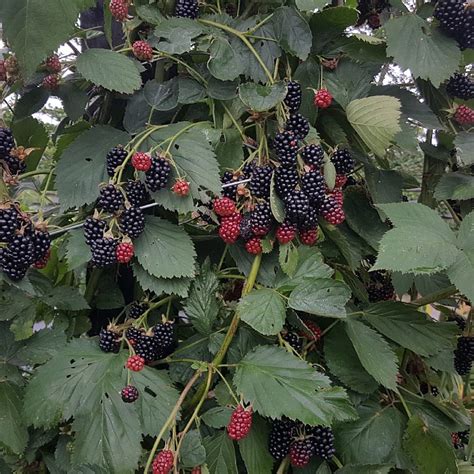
x: 13, y: 434
x: 435, y: 59
x: 276, y: 204
x: 159, y: 286
x: 254, y: 449
x: 292, y: 32
x: 310, y: 5
x: 277, y: 384
x: 217, y: 417
x: 376, y: 120
x: 374, y: 353
x: 220, y: 454
x: 190, y: 90
x: 202, y: 306
x: 288, y: 258
x: 260, y: 98
x: 372, y: 439
x: 192, y: 451
x: 31, y: 102
x: 429, y: 449
x: 365, y: 469
x: 384, y: 185
x: 308, y: 74
x: 408, y: 327
x: 430, y: 248
x: 82, y: 165
x: 149, y: 13
x: 78, y: 253
x: 263, y: 310
x: 28, y: 27
x: 177, y: 35
x: 42, y: 346
x: 224, y: 62
x: 456, y: 186
x: 165, y: 250
x: 229, y: 150
x: 64, y: 298
x: 162, y: 96
x: 321, y: 296
x: 345, y: 364
x: 109, y: 69
x: 464, y: 142
x: 74, y: 100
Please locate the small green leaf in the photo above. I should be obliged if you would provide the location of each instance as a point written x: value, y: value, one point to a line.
x: 78, y: 253
x: 159, y: 286
x: 276, y: 204
x: 464, y: 142
x: 261, y: 98
x: 65, y: 298
x: 220, y: 454
x: 224, y: 62
x: 288, y: 258
x: 217, y: 417
x: 192, y: 451
x: 177, y: 35
x: 13, y: 434
x: 456, y: 186
x: 109, y: 69
x: 263, y: 310
x: 310, y: 5
x: 162, y: 96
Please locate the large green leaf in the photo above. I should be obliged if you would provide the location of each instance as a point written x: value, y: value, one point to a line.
x: 464, y: 142
x: 457, y: 186
x: 177, y: 35
x: 263, y: 310
x: 277, y: 384
x: 310, y: 5
x: 192, y: 451
x: 28, y: 27
x: 159, y: 286
x: 376, y: 120
x: 13, y: 432
x: 165, y: 250
x: 408, y: 327
x: 82, y: 165
x: 220, y: 454
x: 260, y: 97
x: 224, y: 62
x: 109, y: 69
x: 374, y: 353
x: 162, y: 96
x: 321, y: 296
x: 430, y: 248
x: 436, y: 56
x: 254, y: 448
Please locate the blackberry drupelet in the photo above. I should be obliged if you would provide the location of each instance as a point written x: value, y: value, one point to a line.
x: 157, y: 176
x: 136, y: 193
x: 9, y: 223
x: 136, y: 309
x: 115, y: 157
x: 298, y: 125
x: 93, y: 229
x: 286, y: 179
x: 295, y: 341
x: 261, y: 181
x: 297, y: 207
x: 111, y: 199
x: 164, y: 337
x: 109, y: 341
x: 7, y: 143
x: 314, y: 186
x: 186, y: 9
x: 41, y: 245
x: 261, y: 219
x: 103, y: 252
x: 246, y: 227
x: 322, y: 439
x: 14, y: 164
x: 313, y: 155
x: 293, y: 96
x: 286, y: 147
x: 343, y: 161
x: 460, y: 86
x: 132, y: 222
x: 280, y: 438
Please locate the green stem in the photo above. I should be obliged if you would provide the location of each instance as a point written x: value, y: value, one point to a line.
x: 221, y: 261
x: 32, y: 173
x: 336, y: 461
x: 282, y: 468
x: 258, y: 25
x: 234, y: 121
x: 436, y: 296
x: 404, y: 403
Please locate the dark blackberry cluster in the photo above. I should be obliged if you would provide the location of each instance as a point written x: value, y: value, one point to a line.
x: 132, y: 222
x: 164, y: 335
x: 286, y: 180
x: 313, y: 155
x: 136, y: 193
x: 109, y: 341
x: 11, y: 163
x: 293, y: 96
x: 246, y: 231
x: 229, y: 191
x: 280, y: 438
x: 286, y: 147
x: 158, y: 175
x: 111, y: 199
x: 41, y: 245
x: 7, y: 143
x: 343, y: 161
x: 460, y: 86
x: 261, y: 219
x: 104, y: 252
x: 9, y: 223
x: 186, y: 9
x: 137, y: 309
x: 464, y: 355
x: 294, y: 340
x: 314, y: 186
x: 261, y: 181
x: 115, y: 157
x: 457, y: 21
x: 297, y: 207
x: 380, y: 287
x: 93, y: 229
x: 15, y: 166
x: 310, y: 222
x: 298, y: 125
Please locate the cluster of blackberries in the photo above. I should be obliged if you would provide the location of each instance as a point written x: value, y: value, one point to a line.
x: 23, y: 244
x: 380, y: 287
x: 301, y: 442
x: 459, y: 439
x: 11, y: 160
x: 456, y: 19
x: 186, y: 9
x: 370, y: 10
x: 460, y: 86
x: 464, y: 355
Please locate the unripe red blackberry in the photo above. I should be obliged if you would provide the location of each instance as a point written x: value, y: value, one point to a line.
x: 297, y: 207
x: 119, y: 9
x: 299, y: 125
x: 196, y: 470
x: 240, y: 423
x: 115, y: 157
x: 9, y: 223
x: 125, y: 252
x: 136, y: 193
x: 93, y: 229
x: 286, y: 180
x: 301, y: 452
x: 104, y: 252
x: 285, y: 233
x: 163, y: 462
x: 224, y: 207
x: 341, y: 180
x: 132, y: 222
x: 456, y: 441
x: 51, y: 82
x: 110, y: 199
x: 229, y: 229
x: 316, y: 332
x: 332, y: 212
x: 338, y: 196
x: 137, y: 309
x: 109, y: 341
x: 158, y: 174
x: 164, y: 338
x: 464, y: 115
x: 293, y: 96
x: 254, y: 246
x: 314, y: 186
x: 261, y: 181
x: 261, y: 219
x: 142, y: 50
x: 7, y: 143
x: 129, y: 394
x: 313, y: 155
x: 286, y: 147
x: 322, y: 98
x: 135, y: 363
x: 343, y: 161
x: 53, y: 64
x: 141, y: 161
x: 181, y: 188
x: 461, y: 86
x: 186, y: 9
x: 309, y: 236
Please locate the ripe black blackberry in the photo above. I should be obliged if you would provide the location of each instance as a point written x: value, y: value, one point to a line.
x: 280, y: 438
x: 461, y: 86
x: 465, y: 35
x: 286, y: 180
x: 9, y: 223
x: 93, y: 229
x: 313, y: 155
x: 21, y: 249
x: 186, y: 9
x: 380, y: 287
x: 261, y: 219
x: 297, y: 207
x: 129, y: 394
x: 111, y: 199
x: 132, y: 222
x: 463, y: 436
x: 301, y: 452
x: 136, y: 193
x: 164, y: 336
x: 103, y: 252
x: 343, y: 161
x: 311, y: 220
x: 314, y: 186
x: 158, y: 174
x: 293, y: 96
x: 14, y: 165
x: 295, y: 341
x: 322, y: 439
x: 115, y: 157
x: 41, y: 245
x: 246, y: 227
x: 7, y: 143
x: 450, y: 14
x: 137, y: 309
x: 229, y: 191
x: 109, y: 341
x: 298, y: 125
x: 463, y: 355
x: 11, y: 267
x: 146, y: 347
x: 286, y: 147
x: 261, y: 181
